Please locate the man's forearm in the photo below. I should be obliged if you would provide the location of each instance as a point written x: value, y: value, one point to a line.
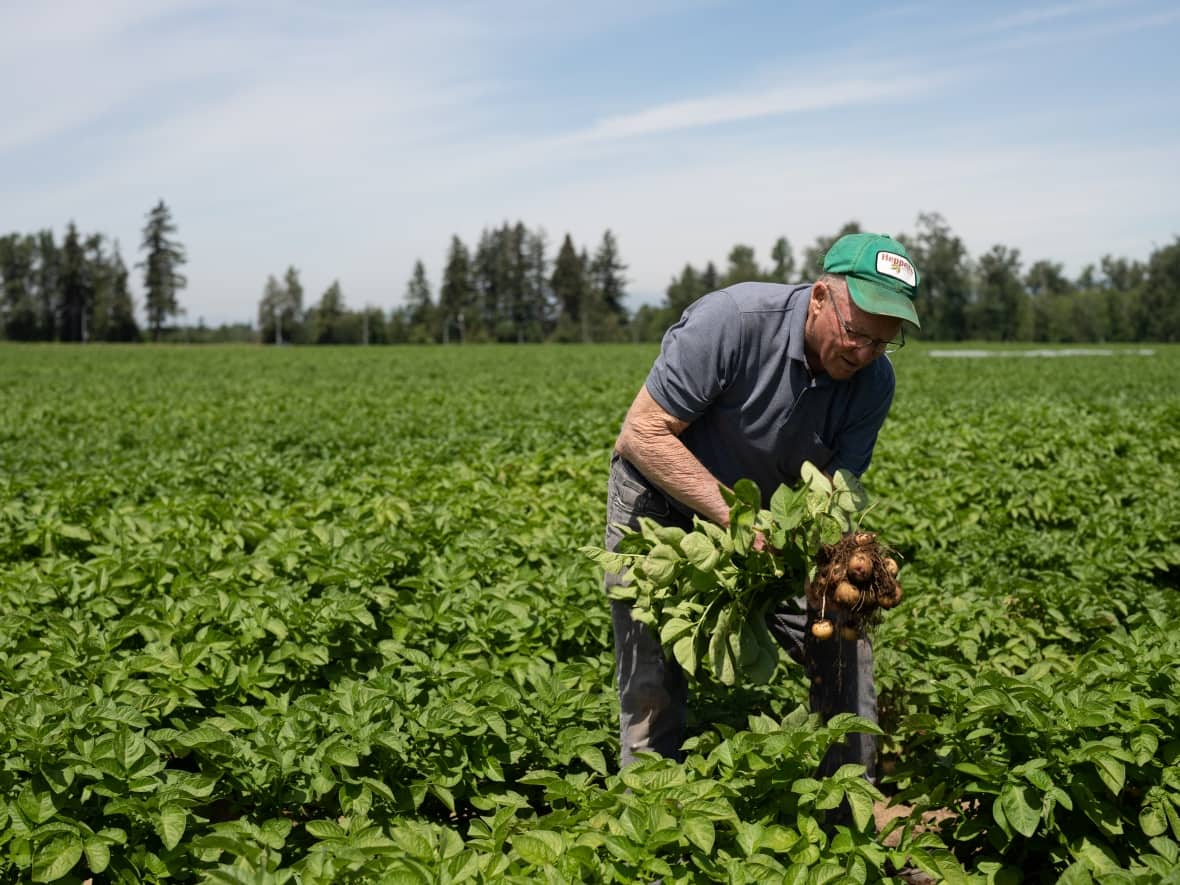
x: 667, y: 463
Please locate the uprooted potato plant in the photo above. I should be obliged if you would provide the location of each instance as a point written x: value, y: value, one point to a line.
x: 706, y: 592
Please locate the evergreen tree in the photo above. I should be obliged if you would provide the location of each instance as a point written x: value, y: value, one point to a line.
x: 162, y: 279
x: 743, y: 267
x: 456, y: 296
x: 607, y: 277
x: 47, y: 283
x: 420, y: 310
x: 517, y: 321
x: 570, y: 289
x: 784, y: 262
x: 490, y: 285
x: 18, y: 307
x: 101, y: 275
x: 538, y: 298
x: 120, y: 323
x: 710, y: 281
x: 76, y: 288
x: 590, y: 309
x: 683, y: 291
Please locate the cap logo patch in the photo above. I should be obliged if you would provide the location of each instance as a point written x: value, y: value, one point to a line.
x: 893, y: 265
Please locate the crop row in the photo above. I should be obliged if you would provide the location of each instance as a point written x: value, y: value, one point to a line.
x: 318, y: 617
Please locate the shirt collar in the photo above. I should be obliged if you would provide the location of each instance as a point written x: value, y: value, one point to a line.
x: 798, y: 303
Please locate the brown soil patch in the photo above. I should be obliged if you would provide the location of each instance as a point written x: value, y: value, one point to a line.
x: 883, y: 813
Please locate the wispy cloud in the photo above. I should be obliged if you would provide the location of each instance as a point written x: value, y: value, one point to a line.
x: 754, y: 104
x: 1037, y: 15
x: 1123, y: 19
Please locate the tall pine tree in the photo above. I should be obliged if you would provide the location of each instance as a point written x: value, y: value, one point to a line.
x: 162, y: 279
x: 456, y: 296
x: 76, y: 289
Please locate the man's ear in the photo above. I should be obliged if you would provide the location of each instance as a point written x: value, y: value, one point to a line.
x: 819, y: 293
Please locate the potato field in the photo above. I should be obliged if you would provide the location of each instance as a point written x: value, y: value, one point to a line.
x: 321, y: 616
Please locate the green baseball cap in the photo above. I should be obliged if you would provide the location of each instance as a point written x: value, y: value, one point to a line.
x: 880, y: 275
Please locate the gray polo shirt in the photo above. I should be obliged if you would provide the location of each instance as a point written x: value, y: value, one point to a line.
x: 734, y: 367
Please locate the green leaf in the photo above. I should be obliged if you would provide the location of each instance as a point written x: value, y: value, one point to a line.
x: 685, y: 652
x: 660, y: 565
x: 747, y: 492
x: 56, y: 857
x: 170, y: 825
x: 325, y: 830
x: 850, y: 495
x: 671, y: 535
x: 862, y: 807
x: 700, y: 832
x: 814, y: 479
x: 673, y: 629
x: 1021, y: 806
x: 77, y: 532
x: 541, y: 848
x: 700, y: 551
x: 342, y: 755
x: 37, y: 807
x: 98, y: 855
x: 594, y: 758
x: 1112, y: 771
x: 609, y: 560
x: 1152, y: 820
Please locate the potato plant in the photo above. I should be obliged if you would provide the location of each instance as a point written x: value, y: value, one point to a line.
x: 318, y: 616
x: 707, y: 592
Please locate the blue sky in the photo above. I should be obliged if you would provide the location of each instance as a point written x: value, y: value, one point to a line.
x: 351, y: 138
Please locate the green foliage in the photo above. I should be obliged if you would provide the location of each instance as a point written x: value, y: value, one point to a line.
x: 706, y: 593
x: 318, y: 616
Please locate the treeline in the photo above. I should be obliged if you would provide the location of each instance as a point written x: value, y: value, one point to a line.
x: 509, y: 289
x: 505, y: 289
x: 78, y: 290
x: 992, y: 298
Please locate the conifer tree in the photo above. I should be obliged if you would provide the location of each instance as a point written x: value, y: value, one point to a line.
x: 784, y: 261
x: 120, y: 324
x: 47, y: 283
x: 743, y: 267
x: 162, y: 279
x: 456, y: 296
x: 18, y: 307
x: 76, y: 290
x: 607, y: 273
x: 569, y: 285
x: 420, y: 310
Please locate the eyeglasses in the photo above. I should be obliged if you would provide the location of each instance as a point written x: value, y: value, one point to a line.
x: 860, y: 339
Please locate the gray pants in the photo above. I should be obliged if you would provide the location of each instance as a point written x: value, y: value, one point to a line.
x: 653, y: 691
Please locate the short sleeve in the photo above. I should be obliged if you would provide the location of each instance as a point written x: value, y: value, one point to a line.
x: 858, y: 438
x: 698, y: 357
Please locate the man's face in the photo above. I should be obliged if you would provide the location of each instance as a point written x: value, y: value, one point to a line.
x: 841, y: 339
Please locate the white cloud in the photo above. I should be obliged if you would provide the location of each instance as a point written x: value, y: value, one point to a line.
x: 752, y: 104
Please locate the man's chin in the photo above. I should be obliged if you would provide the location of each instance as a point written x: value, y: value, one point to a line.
x: 841, y: 369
